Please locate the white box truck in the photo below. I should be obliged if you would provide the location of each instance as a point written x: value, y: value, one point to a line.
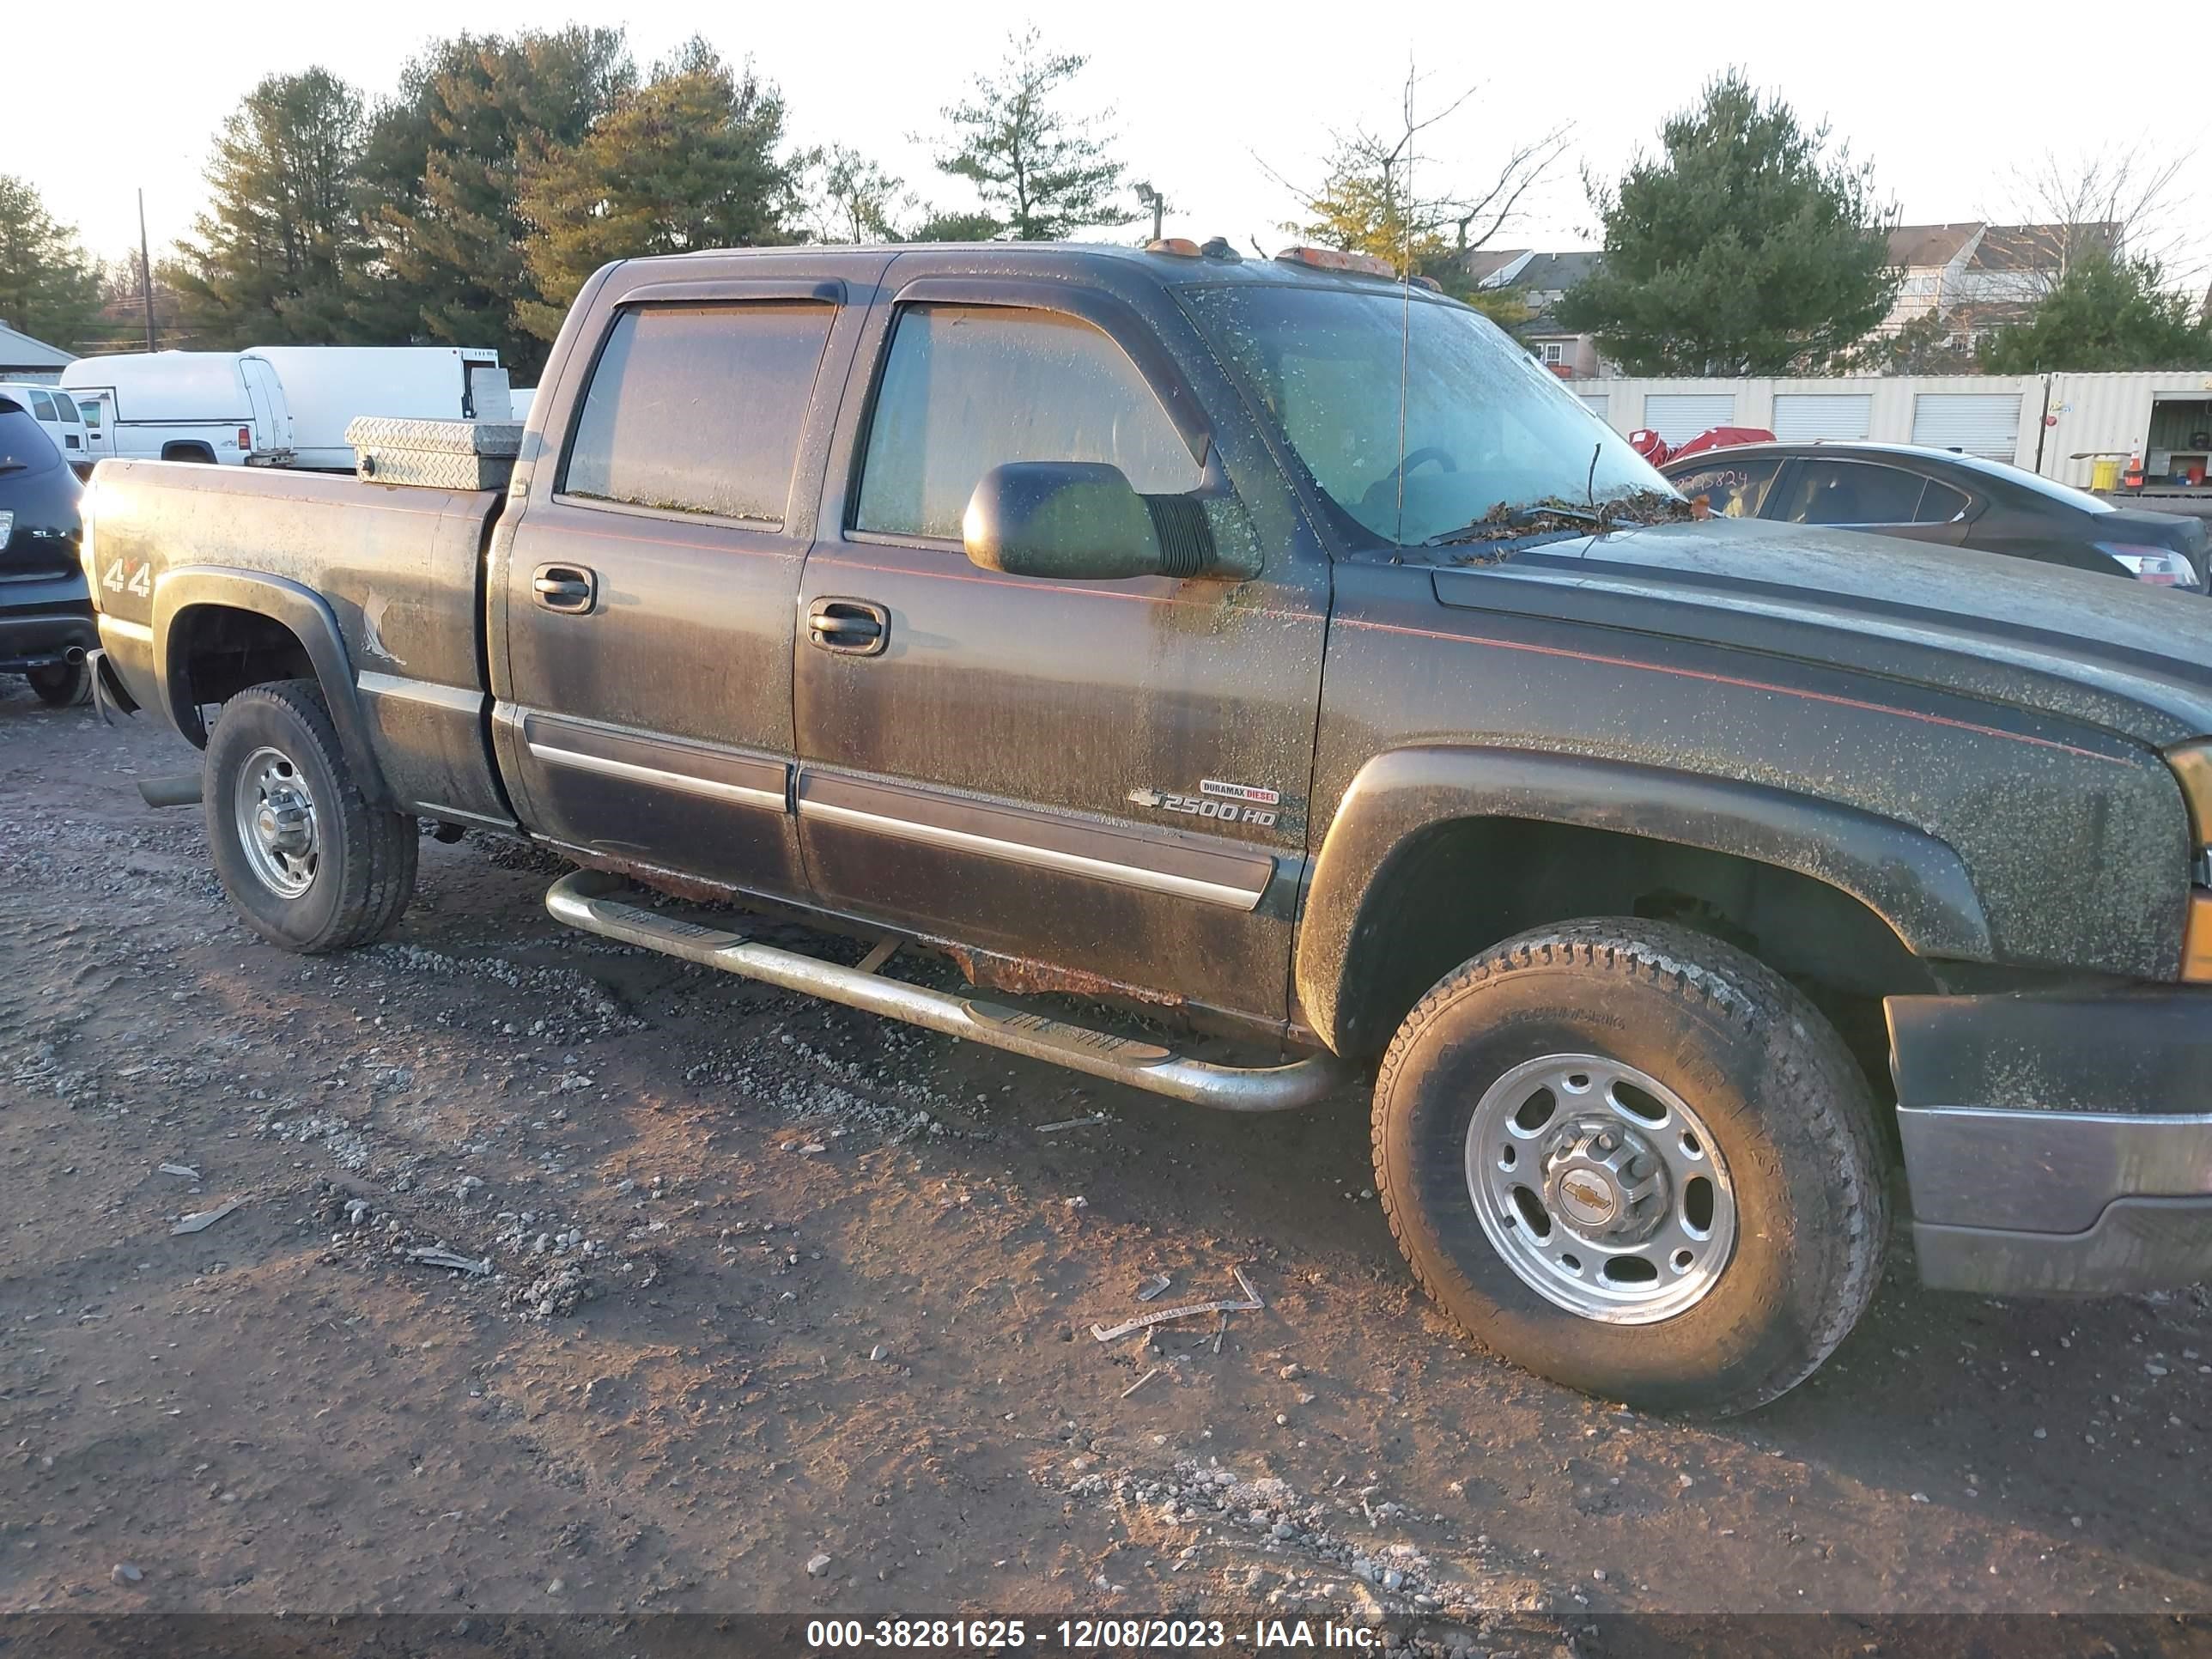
x: 276, y: 405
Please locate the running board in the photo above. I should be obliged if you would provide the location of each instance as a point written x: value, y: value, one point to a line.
x: 582, y: 899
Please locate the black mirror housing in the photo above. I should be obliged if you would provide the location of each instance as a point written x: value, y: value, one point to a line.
x: 1081, y: 520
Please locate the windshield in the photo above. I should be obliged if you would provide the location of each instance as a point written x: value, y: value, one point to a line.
x: 1488, y: 429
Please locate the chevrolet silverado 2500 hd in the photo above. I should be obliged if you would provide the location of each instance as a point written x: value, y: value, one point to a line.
x: 1281, y: 649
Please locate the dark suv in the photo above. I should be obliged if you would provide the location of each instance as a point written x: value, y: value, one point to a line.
x: 46, y: 611
x: 1952, y: 499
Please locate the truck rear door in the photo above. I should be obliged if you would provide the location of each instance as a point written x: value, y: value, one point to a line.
x: 1109, y: 777
x: 642, y: 613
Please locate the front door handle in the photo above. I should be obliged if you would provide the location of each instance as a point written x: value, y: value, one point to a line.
x: 852, y: 627
x: 565, y: 587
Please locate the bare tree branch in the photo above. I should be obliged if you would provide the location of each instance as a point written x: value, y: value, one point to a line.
x: 2127, y: 198
x: 1366, y: 201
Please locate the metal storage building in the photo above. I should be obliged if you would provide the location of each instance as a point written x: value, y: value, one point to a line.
x: 22, y: 358
x: 2055, y: 424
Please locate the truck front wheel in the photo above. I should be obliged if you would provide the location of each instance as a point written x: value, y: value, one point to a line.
x: 1634, y: 1159
x: 309, y: 863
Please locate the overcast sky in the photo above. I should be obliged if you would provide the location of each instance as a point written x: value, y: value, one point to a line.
x: 1202, y: 93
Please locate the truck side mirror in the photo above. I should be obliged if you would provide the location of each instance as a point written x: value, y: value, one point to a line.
x: 1081, y: 520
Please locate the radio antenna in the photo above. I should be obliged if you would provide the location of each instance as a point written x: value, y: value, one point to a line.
x: 1406, y: 316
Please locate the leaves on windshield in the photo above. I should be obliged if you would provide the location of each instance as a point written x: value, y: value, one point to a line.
x: 1554, y: 515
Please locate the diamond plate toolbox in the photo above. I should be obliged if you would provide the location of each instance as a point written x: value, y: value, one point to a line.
x: 434, y: 455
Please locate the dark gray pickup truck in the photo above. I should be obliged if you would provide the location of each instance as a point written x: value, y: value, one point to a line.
x: 1277, y: 649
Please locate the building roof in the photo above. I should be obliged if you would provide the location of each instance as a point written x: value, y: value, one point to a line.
x: 1481, y: 263
x: 2038, y: 247
x: 1554, y: 273
x: 21, y: 351
x: 1995, y: 247
x: 1911, y: 246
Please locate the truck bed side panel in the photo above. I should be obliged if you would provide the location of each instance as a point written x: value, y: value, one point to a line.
x: 400, y: 569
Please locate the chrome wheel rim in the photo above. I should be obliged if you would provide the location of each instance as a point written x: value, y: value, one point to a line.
x: 1601, y: 1189
x: 275, y: 814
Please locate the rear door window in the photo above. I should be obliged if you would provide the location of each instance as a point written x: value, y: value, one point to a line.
x: 1732, y: 489
x: 967, y: 388
x: 43, y: 406
x: 699, y: 408
x: 1850, y: 493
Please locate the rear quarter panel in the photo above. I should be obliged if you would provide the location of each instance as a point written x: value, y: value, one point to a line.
x: 398, y: 568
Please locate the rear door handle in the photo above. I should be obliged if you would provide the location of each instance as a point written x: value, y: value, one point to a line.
x: 566, y: 587
x: 852, y: 627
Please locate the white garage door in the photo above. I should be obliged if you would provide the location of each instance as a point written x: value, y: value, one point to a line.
x: 1804, y: 417
x: 1599, y: 404
x: 1678, y: 416
x: 1980, y: 423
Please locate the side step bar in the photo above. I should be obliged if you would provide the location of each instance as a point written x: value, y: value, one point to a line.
x: 581, y: 899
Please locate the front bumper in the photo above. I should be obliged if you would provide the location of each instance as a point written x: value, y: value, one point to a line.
x: 2058, y: 1143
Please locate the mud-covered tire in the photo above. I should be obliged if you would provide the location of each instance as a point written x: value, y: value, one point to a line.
x: 62, y: 684
x: 1791, y: 1114
x: 363, y: 870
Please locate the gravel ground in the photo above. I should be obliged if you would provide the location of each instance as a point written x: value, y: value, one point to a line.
x: 778, y: 1309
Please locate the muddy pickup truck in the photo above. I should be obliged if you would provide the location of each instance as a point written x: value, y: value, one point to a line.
x: 1278, y: 660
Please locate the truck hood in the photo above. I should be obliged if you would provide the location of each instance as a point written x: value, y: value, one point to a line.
x: 2126, y: 657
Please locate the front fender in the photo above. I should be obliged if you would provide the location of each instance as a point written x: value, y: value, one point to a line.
x: 1918, y: 884
x: 298, y: 608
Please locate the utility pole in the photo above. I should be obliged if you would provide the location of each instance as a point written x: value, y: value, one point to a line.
x: 145, y: 270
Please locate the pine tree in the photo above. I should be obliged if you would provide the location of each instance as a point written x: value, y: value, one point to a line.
x: 442, y: 170
x: 2106, y: 313
x: 48, y: 287
x: 280, y: 250
x: 1742, y: 249
x: 688, y: 161
x: 1040, y: 172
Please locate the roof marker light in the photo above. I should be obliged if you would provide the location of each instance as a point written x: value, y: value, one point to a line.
x: 1330, y: 258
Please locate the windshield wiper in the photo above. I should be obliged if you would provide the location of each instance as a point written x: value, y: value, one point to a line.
x: 1502, y: 521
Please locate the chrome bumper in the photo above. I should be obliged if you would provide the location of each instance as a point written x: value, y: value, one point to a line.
x: 2057, y: 1144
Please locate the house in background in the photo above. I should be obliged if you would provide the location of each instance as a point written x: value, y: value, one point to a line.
x: 1978, y: 276
x: 22, y: 358
x: 1541, y: 280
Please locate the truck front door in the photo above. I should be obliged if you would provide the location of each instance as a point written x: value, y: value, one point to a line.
x: 1105, y: 777
x: 642, y: 616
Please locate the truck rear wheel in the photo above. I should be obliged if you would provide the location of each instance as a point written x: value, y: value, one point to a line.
x: 309, y: 863
x: 1634, y: 1159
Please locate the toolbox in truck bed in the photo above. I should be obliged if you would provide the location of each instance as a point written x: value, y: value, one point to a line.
x: 434, y: 455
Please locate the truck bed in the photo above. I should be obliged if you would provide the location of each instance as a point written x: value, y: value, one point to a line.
x: 396, y: 571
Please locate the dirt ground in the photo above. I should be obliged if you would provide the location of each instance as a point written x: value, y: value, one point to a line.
x: 790, y: 1312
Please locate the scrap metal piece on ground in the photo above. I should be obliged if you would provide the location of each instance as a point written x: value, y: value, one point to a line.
x: 1140, y: 1381
x: 1072, y: 1123
x: 205, y: 1218
x: 186, y: 1171
x: 1152, y: 1287
x: 1252, y: 1304
x: 1220, y: 1331
x: 430, y: 1258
